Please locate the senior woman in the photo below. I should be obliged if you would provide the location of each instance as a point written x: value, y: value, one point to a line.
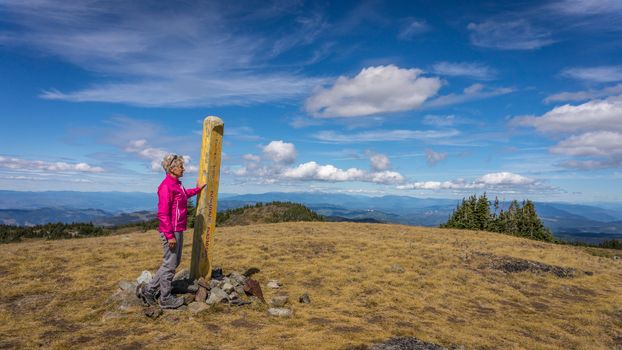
x: 173, y: 216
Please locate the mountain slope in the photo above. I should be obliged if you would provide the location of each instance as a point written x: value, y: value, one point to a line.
x: 367, y: 282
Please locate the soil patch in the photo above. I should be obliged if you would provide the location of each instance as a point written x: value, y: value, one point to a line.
x: 244, y: 323
x: 398, y: 343
x: 320, y: 321
x: 348, y: 329
x: 513, y: 265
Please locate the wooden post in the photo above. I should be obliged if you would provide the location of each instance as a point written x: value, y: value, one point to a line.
x: 207, y: 201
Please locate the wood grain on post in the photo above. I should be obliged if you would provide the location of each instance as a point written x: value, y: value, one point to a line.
x: 207, y: 200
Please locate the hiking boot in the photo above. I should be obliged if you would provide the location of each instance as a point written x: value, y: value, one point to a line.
x: 146, y: 296
x: 171, y: 302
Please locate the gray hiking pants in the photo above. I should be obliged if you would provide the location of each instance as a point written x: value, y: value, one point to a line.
x: 170, y: 260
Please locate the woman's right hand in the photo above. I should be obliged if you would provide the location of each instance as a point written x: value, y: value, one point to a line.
x: 171, y: 243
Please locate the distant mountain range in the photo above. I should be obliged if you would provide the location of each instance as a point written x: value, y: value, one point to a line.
x: 572, y: 222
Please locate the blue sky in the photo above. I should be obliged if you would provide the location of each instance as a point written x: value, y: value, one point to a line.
x: 427, y: 98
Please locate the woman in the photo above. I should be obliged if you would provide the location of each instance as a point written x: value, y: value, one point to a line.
x: 173, y: 216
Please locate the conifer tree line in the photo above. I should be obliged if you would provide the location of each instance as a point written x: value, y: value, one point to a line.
x: 474, y: 213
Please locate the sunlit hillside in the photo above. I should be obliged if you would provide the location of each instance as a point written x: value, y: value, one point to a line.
x: 367, y: 283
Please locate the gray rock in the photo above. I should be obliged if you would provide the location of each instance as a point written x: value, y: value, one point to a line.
x: 240, y: 289
x: 152, y: 312
x: 237, y: 278
x: 144, y: 277
x: 280, y: 312
x: 195, y: 307
x: 183, y: 274
x: 214, y: 284
x: 127, y: 285
x: 279, y: 300
x: 227, y: 287
x: 304, y: 299
x: 233, y: 296
x: 274, y: 284
x: 201, y: 294
x: 396, y: 268
x: 216, y: 296
x: 125, y: 300
x: 194, y: 287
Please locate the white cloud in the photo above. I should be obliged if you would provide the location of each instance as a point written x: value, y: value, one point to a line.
x: 384, y: 135
x: 272, y: 167
x: 509, y: 35
x: 312, y: 171
x: 595, y: 143
x: 280, y: 152
x: 504, y: 178
x: 434, y: 157
x: 374, y: 90
x: 501, y: 181
x: 464, y: 69
x: 41, y: 165
x: 602, y: 74
x: 603, y: 114
x: 590, y: 130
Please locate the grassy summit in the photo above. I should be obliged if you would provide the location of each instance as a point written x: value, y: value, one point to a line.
x: 268, y: 213
x: 367, y: 282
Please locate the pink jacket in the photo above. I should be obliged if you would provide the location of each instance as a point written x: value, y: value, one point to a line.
x: 173, y: 205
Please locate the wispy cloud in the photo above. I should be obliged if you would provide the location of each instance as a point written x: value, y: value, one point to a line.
x: 497, y: 182
x: 413, y: 27
x: 244, y: 133
x: 202, y: 56
x: 434, y: 157
x: 517, y: 34
x: 601, y: 74
x: 48, y: 166
x: 471, y: 93
x: 384, y: 135
x: 585, y: 95
x: 464, y: 69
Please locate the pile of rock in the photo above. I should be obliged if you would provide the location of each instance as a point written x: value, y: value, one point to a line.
x: 234, y: 289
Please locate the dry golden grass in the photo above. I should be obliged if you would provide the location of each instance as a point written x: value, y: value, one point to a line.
x: 54, y: 292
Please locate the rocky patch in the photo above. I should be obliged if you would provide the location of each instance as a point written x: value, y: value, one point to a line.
x: 513, y: 265
x: 399, y: 343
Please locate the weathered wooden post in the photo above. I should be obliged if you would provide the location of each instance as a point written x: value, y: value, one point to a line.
x: 207, y: 201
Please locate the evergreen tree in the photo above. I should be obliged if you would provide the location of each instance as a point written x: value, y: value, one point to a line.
x: 518, y: 220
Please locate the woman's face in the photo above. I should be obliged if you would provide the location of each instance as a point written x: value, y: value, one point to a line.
x: 177, y: 170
